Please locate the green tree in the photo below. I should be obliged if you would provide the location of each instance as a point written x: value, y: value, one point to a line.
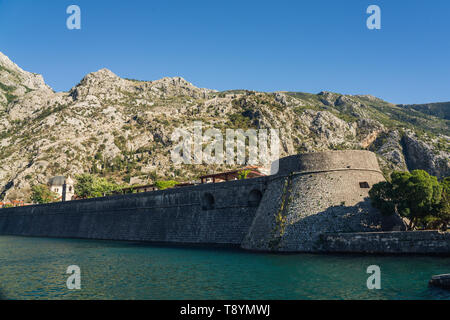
x: 445, y: 202
x: 412, y: 195
x: 441, y: 215
x: 42, y: 194
x: 90, y: 186
x: 382, y: 197
x: 243, y: 174
x: 162, y: 185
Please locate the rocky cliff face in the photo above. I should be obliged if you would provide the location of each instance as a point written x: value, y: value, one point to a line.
x: 121, y: 128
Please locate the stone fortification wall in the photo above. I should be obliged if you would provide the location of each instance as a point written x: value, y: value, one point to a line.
x: 411, y: 242
x: 210, y: 214
x: 312, y: 194
x: 329, y: 160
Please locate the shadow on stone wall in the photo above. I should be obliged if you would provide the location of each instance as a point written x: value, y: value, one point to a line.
x: 341, y: 218
x: 361, y: 217
x: 303, y: 234
x: 300, y: 232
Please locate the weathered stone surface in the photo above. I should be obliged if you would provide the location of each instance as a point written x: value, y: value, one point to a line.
x: 315, y: 193
x: 420, y: 154
x: 170, y: 216
x: 411, y: 242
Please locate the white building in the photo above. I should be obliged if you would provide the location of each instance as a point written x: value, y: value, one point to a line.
x: 63, y: 187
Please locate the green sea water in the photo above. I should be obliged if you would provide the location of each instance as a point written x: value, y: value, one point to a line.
x: 35, y: 268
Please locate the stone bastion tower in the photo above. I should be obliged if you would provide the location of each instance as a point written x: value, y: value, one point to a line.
x: 312, y: 194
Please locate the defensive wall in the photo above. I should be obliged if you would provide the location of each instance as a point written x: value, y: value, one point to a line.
x: 206, y: 214
x: 316, y: 202
x: 396, y: 242
x: 313, y: 193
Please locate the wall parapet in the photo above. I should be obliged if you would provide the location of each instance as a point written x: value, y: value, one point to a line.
x: 258, y: 183
x: 328, y: 161
x: 300, y: 173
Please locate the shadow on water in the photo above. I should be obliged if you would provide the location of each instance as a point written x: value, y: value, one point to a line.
x: 2, y: 296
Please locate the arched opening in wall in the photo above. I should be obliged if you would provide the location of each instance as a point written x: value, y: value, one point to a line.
x: 254, y: 198
x: 208, y: 201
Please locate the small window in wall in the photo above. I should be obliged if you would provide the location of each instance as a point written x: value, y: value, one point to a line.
x: 254, y: 198
x: 208, y: 201
x: 364, y: 185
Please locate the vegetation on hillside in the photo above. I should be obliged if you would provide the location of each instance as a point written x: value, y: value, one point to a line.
x: 90, y: 186
x: 117, y: 129
x: 162, y: 185
x: 432, y: 118
x: 242, y: 175
x: 41, y: 194
x: 440, y: 109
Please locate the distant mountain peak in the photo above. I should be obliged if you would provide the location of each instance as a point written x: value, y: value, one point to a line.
x: 7, y: 63
x: 103, y: 73
x: 98, y: 76
x: 17, y: 82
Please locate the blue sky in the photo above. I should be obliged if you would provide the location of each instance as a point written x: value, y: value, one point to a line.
x: 306, y: 46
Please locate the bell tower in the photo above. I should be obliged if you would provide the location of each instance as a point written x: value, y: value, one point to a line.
x: 68, y: 189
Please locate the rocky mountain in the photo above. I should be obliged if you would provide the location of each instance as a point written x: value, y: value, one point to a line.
x: 121, y: 128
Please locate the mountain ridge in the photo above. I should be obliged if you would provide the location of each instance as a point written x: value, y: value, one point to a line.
x: 120, y: 128
x: 438, y: 109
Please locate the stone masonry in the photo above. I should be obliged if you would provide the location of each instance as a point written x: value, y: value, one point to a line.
x: 317, y: 202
